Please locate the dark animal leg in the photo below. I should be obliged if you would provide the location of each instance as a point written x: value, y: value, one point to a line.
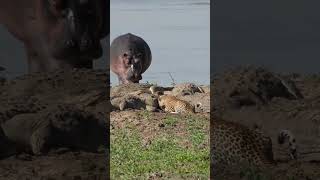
x: 37, y: 63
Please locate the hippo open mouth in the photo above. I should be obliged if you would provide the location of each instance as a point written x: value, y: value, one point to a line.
x: 133, y: 75
x: 80, y: 33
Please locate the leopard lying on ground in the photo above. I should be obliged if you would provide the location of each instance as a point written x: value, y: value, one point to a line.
x: 233, y: 144
x: 172, y: 104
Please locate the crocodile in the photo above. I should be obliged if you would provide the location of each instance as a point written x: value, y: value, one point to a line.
x: 35, y: 92
x: 133, y: 96
x: 60, y: 126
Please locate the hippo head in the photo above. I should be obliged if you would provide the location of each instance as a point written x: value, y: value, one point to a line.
x: 132, y: 59
x: 73, y: 29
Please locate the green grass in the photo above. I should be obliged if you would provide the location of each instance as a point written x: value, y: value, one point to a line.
x: 197, y: 134
x: 131, y: 160
x: 170, y: 121
x: 145, y: 114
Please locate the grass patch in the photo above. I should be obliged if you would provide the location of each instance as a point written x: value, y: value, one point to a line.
x: 145, y: 114
x: 197, y: 134
x: 170, y: 121
x: 131, y: 160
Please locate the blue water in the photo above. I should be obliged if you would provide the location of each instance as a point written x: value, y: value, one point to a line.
x: 177, y: 32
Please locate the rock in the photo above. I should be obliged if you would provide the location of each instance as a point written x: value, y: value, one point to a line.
x: 249, y: 86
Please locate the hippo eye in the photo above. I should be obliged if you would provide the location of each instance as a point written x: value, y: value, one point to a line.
x: 125, y: 55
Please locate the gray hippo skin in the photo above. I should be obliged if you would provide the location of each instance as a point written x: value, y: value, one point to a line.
x: 57, y: 33
x: 130, y: 58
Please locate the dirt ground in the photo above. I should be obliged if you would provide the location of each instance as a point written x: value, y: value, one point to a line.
x: 36, y: 92
x: 273, y: 111
x: 184, y: 152
x: 152, y: 125
x: 55, y: 166
x: 87, y: 90
x: 242, y: 95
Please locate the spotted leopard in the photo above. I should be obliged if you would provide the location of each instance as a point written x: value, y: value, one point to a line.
x: 232, y: 144
x: 172, y: 104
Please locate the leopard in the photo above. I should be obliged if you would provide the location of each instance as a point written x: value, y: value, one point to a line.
x: 235, y: 144
x: 172, y: 104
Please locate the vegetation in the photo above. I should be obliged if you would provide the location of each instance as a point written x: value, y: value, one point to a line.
x: 164, y: 156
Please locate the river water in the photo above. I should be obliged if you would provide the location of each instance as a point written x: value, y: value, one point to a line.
x: 177, y: 31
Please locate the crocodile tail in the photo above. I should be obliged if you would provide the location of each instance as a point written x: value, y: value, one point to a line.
x: 286, y: 136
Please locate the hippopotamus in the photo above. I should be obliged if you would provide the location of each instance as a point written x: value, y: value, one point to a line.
x: 130, y: 57
x: 57, y: 33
